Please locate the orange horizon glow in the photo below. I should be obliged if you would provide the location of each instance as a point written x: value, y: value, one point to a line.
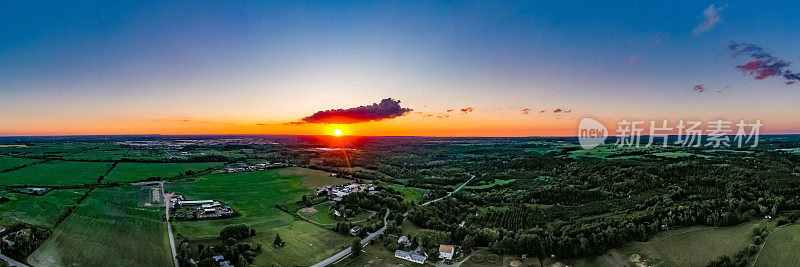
x: 455, y: 126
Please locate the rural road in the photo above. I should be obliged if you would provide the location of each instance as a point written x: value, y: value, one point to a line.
x: 11, y: 261
x: 168, y: 203
x: 446, y: 196
x: 346, y: 251
x: 761, y: 247
x: 371, y: 236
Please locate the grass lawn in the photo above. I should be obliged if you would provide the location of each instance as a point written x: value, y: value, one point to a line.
x: 7, y: 162
x: 410, y: 193
x: 306, y: 244
x: 108, y: 229
x: 53, y: 173
x: 254, y: 195
x: 321, y: 216
x: 781, y: 248
x: 690, y: 246
x: 38, y: 210
x: 132, y: 172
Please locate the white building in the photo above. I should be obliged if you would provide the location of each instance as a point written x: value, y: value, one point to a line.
x: 410, y: 256
x: 446, y: 252
x: 403, y: 240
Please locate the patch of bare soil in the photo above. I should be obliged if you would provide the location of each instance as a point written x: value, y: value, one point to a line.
x: 310, y: 210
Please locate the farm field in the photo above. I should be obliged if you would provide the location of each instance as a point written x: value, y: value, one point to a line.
x: 673, y: 154
x: 42, y: 211
x: 56, y: 173
x: 781, y: 248
x: 132, y: 171
x: 253, y: 194
x: 7, y: 162
x: 108, y: 229
x: 496, y: 182
x: 690, y: 246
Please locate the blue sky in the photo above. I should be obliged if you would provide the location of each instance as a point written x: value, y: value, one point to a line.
x: 271, y: 62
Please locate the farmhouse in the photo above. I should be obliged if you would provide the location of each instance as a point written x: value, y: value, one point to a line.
x: 446, y: 252
x: 411, y: 256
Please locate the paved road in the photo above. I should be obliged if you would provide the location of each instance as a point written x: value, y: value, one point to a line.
x: 347, y: 251
x: 371, y: 236
x: 11, y: 261
x: 167, y: 204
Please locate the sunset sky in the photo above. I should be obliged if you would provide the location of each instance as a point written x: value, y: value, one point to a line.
x: 516, y: 69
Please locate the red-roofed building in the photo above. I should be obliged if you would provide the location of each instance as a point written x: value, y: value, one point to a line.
x: 446, y: 252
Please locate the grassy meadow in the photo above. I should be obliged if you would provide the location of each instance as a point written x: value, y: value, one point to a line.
x: 42, y: 211
x: 690, y: 246
x: 56, y: 173
x: 781, y: 248
x: 410, y: 193
x: 306, y: 244
x: 133, y: 171
x: 108, y: 229
x: 254, y: 195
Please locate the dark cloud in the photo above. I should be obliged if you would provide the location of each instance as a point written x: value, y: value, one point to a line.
x: 699, y: 88
x: 467, y: 109
x: 762, y: 63
x: 559, y: 110
x: 526, y: 111
x: 542, y: 111
x: 449, y: 110
x: 710, y: 18
x: 387, y: 109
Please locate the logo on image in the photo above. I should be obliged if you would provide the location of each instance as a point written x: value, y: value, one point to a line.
x: 591, y: 133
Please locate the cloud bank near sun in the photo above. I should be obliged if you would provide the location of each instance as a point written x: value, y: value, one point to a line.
x: 388, y: 108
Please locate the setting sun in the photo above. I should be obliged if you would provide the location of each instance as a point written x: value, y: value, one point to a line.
x: 337, y: 132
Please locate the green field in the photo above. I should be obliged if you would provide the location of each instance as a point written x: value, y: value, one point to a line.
x: 131, y: 172
x: 254, y: 195
x: 306, y: 244
x: 690, y: 246
x: 38, y: 210
x: 410, y: 193
x: 7, y: 163
x: 496, y: 182
x: 321, y: 215
x: 55, y: 173
x: 781, y: 248
x: 673, y: 154
x: 108, y: 229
